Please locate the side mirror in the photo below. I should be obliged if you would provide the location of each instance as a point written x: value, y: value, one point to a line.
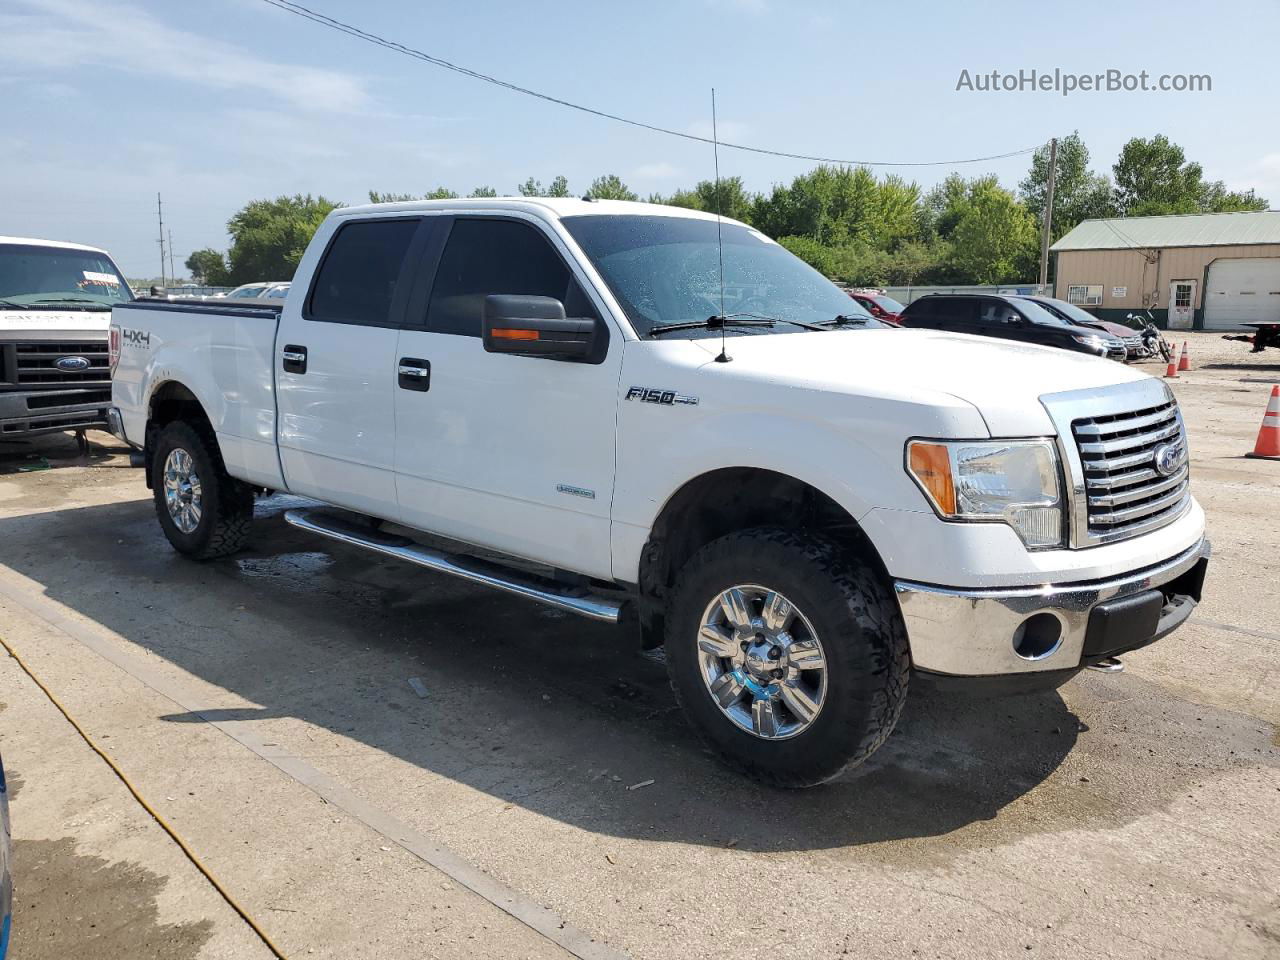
x: 537, y: 327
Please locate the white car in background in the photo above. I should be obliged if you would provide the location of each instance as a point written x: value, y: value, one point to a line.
x: 274, y: 290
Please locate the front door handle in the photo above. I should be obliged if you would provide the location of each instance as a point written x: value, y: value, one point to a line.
x: 294, y: 357
x: 414, y: 374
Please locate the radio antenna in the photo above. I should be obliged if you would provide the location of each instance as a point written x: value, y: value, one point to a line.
x: 715, y: 146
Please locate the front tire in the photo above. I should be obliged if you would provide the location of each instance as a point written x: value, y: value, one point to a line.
x: 788, y: 655
x: 203, y: 511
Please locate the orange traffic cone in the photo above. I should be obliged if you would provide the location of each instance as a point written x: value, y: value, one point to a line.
x: 1268, y: 445
x: 1172, y: 372
x: 1184, y: 362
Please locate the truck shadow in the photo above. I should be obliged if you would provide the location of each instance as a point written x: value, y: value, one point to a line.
x: 533, y: 707
x: 54, y: 450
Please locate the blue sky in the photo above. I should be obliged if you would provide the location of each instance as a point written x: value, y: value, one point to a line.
x: 215, y: 103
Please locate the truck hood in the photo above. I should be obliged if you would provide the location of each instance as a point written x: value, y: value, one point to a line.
x: 1004, y: 380
x: 25, y: 322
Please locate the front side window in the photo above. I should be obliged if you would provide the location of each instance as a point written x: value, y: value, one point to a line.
x: 357, y: 279
x: 51, y: 278
x: 996, y: 313
x: 484, y: 257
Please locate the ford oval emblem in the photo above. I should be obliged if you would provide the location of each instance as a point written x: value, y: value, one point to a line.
x: 1168, y: 458
x: 71, y: 364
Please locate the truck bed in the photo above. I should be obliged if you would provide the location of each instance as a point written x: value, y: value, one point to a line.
x: 222, y: 353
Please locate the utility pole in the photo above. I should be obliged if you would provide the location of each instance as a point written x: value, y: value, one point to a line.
x: 160, y: 216
x: 172, y: 272
x: 1047, y: 229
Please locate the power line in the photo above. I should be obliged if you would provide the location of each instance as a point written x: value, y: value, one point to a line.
x: 326, y: 21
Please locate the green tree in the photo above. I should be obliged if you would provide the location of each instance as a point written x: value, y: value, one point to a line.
x: 441, y: 193
x: 817, y: 255
x: 1078, y: 193
x: 376, y: 197
x: 268, y: 237
x: 1218, y: 199
x: 208, y: 266
x: 533, y: 188
x: 483, y: 192
x: 1154, y: 177
x: 611, y: 187
x: 995, y: 238
x: 730, y: 200
x: 943, y: 206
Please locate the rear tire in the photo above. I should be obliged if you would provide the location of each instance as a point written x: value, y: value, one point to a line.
x: 203, y: 511
x: 838, y: 604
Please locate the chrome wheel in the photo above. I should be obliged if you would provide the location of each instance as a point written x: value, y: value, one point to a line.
x: 182, y: 493
x: 762, y: 662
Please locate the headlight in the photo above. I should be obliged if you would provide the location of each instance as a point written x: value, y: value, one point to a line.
x: 1009, y: 481
x: 1095, y: 343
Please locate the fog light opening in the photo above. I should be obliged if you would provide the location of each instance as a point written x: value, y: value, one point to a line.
x: 1037, y: 637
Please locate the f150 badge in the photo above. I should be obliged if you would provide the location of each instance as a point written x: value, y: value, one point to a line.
x: 657, y: 395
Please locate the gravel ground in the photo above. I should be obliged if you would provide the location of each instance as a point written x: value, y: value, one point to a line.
x: 262, y: 703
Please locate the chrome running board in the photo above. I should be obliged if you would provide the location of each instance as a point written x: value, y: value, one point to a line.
x: 530, y: 586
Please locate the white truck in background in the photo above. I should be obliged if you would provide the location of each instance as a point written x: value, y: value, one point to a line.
x: 805, y: 507
x: 55, y: 309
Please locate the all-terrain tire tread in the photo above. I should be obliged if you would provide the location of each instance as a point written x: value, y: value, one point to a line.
x: 870, y: 604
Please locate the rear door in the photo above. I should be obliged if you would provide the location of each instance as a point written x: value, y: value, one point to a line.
x: 335, y: 367
x: 508, y: 452
x: 956, y: 315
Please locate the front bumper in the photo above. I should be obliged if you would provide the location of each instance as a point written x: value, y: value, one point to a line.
x: 1057, y: 627
x: 30, y: 413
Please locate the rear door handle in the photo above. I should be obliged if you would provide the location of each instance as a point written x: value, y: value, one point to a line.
x: 294, y: 357
x: 414, y: 374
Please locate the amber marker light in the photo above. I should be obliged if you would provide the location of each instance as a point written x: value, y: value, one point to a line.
x: 930, y: 464
x: 511, y: 334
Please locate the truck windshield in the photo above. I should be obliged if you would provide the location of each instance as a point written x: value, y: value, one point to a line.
x: 667, y: 270
x: 39, y: 277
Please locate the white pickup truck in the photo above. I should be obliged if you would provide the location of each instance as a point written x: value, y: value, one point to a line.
x: 805, y: 507
x: 55, y: 306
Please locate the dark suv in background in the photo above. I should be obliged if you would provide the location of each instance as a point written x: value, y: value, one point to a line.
x: 1009, y: 318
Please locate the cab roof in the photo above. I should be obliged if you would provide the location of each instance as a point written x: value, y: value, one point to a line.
x: 557, y: 207
x: 34, y: 242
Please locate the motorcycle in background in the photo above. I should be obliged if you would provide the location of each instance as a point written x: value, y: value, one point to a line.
x: 1153, y: 341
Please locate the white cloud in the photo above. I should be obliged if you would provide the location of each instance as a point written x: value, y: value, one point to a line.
x: 656, y: 171
x: 63, y: 34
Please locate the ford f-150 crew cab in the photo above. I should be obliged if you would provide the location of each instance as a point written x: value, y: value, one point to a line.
x: 55, y: 306
x: 803, y: 506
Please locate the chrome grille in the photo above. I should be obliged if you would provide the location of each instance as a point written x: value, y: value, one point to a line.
x: 1136, y: 473
x: 35, y: 362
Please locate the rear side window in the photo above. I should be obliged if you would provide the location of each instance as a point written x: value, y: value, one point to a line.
x: 497, y: 256
x: 357, y: 279
x: 960, y: 311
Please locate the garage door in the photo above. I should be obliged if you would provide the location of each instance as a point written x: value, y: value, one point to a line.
x: 1240, y: 291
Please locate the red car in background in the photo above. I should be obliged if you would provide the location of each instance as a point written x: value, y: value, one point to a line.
x: 878, y: 304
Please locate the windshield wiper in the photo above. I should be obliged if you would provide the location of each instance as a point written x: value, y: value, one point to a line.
x: 729, y: 320
x: 847, y: 319
x: 13, y: 303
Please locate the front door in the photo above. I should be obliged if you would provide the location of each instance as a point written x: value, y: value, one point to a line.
x: 1182, y: 304
x: 507, y: 452
x: 335, y: 360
